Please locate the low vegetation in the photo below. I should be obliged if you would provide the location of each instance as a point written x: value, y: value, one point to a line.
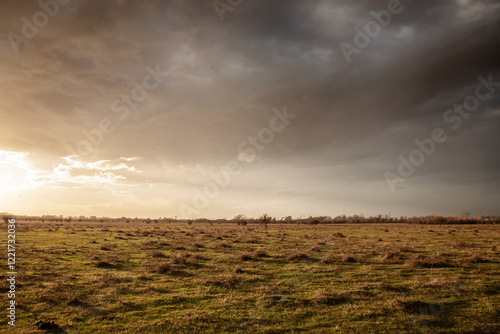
x: 167, y: 277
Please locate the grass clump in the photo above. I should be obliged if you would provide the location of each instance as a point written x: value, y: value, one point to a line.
x: 245, y: 257
x: 431, y: 261
x: 349, y: 258
x: 259, y: 253
x: 162, y: 268
x: 297, y: 256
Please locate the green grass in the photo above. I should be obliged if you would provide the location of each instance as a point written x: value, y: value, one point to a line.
x: 175, y: 278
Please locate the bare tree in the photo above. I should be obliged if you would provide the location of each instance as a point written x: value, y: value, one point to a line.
x: 464, y: 215
x: 240, y: 219
x: 265, y: 219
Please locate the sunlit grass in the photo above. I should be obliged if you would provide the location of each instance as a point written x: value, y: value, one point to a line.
x: 175, y: 278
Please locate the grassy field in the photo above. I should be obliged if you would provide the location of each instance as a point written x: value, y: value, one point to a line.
x: 224, y: 278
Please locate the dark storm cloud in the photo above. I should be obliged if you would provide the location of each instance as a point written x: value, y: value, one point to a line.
x: 225, y: 77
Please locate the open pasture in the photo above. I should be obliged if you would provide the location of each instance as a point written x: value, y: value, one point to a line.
x: 223, y: 278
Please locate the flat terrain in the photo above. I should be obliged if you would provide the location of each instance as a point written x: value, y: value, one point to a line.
x: 223, y: 278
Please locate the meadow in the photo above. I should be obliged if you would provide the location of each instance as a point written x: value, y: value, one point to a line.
x: 94, y: 277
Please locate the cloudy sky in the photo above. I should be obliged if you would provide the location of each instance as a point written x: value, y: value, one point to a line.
x: 211, y: 109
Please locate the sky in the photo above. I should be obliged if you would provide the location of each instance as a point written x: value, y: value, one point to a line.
x: 216, y: 108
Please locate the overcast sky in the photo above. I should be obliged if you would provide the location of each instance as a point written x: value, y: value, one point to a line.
x: 201, y: 109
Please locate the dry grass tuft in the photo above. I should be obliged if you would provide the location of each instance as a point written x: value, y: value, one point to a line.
x: 475, y: 258
x: 222, y: 245
x: 297, y: 256
x: 238, y: 270
x: 316, y: 248
x: 180, y: 259
x: 245, y: 257
x: 414, y: 306
x: 151, y: 244
x: 224, y: 281
x: 329, y: 299
x: 461, y: 244
x: 162, y: 268
x: 330, y: 258
x: 432, y: 261
x: 157, y: 254
x: 260, y: 253
x: 104, y: 264
x: 393, y: 253
x: 349, y: 258
x: 251, y: 241
x: 391, y: 256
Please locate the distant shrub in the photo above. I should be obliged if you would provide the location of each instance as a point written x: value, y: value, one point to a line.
x: 439, y: 220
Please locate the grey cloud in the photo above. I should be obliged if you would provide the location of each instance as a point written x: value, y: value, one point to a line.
x: 227, y: 76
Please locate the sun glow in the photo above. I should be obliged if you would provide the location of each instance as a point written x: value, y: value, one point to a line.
x: 16, y: 172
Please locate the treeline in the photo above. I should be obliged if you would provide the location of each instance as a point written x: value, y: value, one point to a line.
x: 463, y: 218
x: 68, y: 219
x: 360, y: 219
